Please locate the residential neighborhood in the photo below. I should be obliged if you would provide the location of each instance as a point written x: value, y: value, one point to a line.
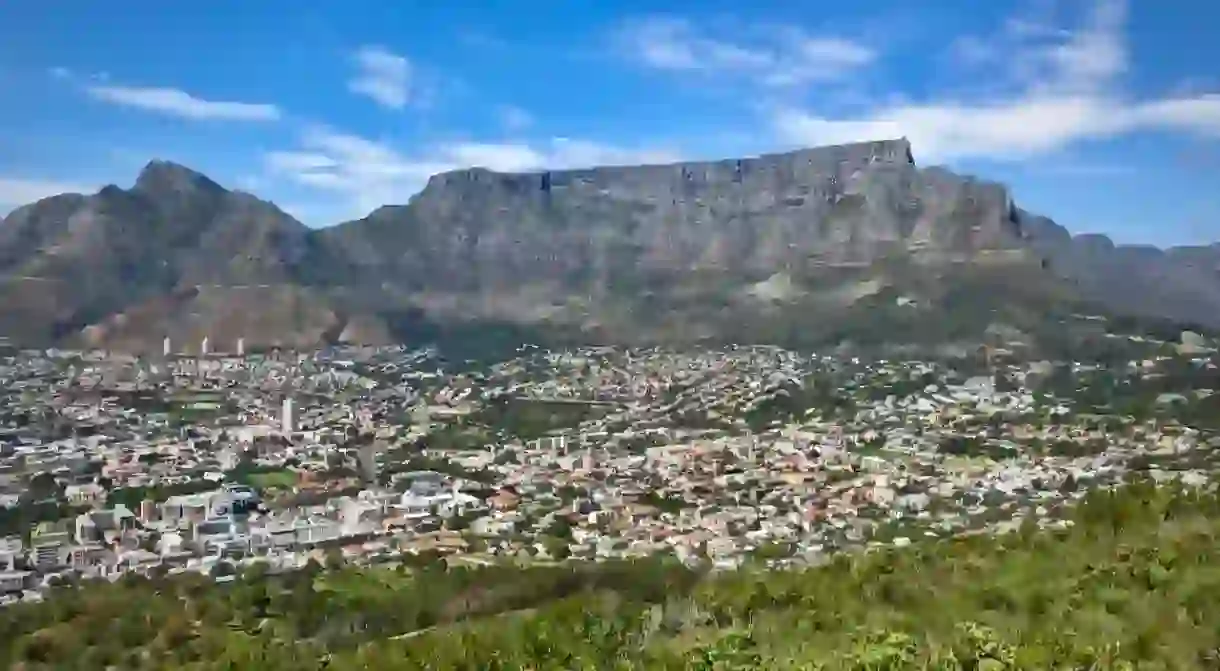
x: 220, y: 463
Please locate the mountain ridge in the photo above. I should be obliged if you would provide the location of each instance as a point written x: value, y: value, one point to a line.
x: 784, y: 244
x: 1102, y: 239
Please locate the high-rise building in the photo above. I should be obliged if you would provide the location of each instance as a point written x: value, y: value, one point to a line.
x: 367, y: 456
x: 204, y: 346
x: 148, y: 511
x: 228, y: 458
x: 167, y: 347
x: 287, y: 418
x: 241, y: 347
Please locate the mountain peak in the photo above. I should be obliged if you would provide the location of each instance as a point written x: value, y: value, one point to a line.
x: 167, y: 176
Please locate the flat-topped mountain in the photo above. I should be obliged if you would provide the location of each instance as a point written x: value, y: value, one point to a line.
x: 851, y: 241
x: 833, y: 205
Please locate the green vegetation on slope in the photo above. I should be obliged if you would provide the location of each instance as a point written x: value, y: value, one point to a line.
x: 529, y: 419
x: 1131, y: 585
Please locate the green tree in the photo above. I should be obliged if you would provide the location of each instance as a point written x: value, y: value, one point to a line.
x: 556, y: 548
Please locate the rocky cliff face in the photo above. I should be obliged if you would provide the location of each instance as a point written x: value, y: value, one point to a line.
x: 832, y: 205
x: 700, y: 245
x: 783, y: 247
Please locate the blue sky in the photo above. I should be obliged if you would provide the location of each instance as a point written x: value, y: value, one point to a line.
x: 1100, y: 113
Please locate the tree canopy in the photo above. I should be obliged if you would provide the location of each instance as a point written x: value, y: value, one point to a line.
x: 1130, y: 584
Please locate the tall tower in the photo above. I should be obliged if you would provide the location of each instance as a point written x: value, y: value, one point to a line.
x: 287, y: 417
x: 368, y: 461
x: 241, y: 347
x: 204, y: 347
x: 167, y: 347
x: 228, y: 459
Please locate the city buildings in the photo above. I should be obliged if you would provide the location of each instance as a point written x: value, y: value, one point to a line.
x: 712, y: 455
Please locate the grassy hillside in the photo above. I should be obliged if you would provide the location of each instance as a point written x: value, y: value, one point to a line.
x: 1131, y: 585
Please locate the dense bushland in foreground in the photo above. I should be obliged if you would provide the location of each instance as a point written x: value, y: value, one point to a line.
x: 1135, y: 583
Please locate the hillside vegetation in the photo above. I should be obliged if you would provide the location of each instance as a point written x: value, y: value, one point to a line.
x: 1131, y: 584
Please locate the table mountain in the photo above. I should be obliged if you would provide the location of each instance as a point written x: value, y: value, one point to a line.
x: 846, y: 242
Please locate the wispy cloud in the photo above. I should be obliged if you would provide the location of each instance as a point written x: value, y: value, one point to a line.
x: 368, y: 173
x: 16, y: 191
x: 1065, y: 86
x: 514, y: 118
x: 773, y: 55
x: 176, y: 102
x: 383, y: 76
x: 67, y: 74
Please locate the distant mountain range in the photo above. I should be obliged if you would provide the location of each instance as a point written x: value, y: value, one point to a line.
x: 819, y: 245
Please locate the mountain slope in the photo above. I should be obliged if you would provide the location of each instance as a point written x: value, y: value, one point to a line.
x: 819, y: 245
x: 1182, y: 283
x: 72, y: 261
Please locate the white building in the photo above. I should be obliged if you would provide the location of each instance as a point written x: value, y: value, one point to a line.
x: 15, y: 582
x: 359, y: 516
x: 287, y: 417
x: 419, y: 502
x: 297, y: 532
x: 11, y: 548
x: 49, y: 547
x: 196, y: 508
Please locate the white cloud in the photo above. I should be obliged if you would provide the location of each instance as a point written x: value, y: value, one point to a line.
x: 366, y: 174
x: 662, y: 43
x: 1200, y: 114
x: 819, y: 57
x: 565, y: 153
x: 179, y: 103
x: 776, y: 56
x: 383, y: 76
x: 505, y: 157
x: 1040, y: 56
x: 514, y: 118
x: 67, y: 74
x: 1092, y: 58
x: 15, y: 191
x: 300, y: 161
x: 944, y: 131
x: 1065, y: 87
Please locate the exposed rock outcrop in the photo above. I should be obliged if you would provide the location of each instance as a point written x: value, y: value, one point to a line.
x: 814, y: 244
